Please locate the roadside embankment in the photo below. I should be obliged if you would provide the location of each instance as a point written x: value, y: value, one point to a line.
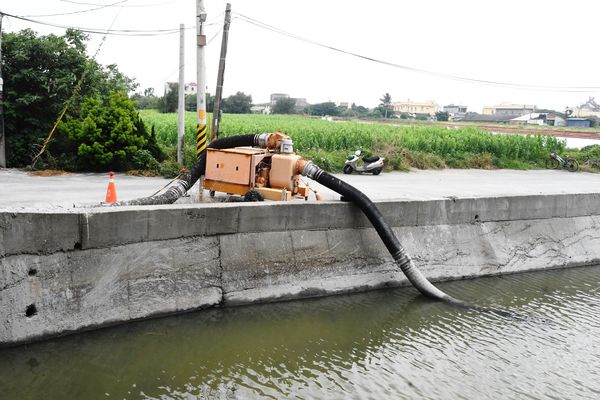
x: 69, y: 271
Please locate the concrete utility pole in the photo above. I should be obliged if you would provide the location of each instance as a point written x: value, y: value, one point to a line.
x: 201, y: 80
x: 216, y: 121
x: 2, y: 141
x: 181, y: 93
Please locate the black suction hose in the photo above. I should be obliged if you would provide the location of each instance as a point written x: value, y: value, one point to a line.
x: 386, y: 234
x: 189, y: 179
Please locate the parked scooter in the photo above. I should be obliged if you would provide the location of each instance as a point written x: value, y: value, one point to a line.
x: 373, y: 165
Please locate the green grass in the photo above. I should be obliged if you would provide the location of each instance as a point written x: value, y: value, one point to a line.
x: 422, y: 146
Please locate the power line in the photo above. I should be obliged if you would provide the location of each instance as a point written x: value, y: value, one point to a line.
x: 186, y: 61
x: 127, y: 6
x: 80, y: 11
x: 566, y: 89
x: 117, y: 32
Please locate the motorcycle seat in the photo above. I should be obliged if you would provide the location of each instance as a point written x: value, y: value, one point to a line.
x: 371, y: 159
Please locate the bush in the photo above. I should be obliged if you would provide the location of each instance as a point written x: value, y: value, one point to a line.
x: 143, y: 160
x: 169, y: 169
x: 109, y: 135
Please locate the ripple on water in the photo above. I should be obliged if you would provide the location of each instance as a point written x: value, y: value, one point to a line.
x: 383, y: 344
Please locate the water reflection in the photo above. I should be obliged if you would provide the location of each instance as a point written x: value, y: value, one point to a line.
x: 384, y: 344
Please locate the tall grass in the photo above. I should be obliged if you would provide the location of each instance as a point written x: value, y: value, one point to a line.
x: 411, y: 146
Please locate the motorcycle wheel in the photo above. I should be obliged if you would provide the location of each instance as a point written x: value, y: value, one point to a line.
x: 377, y: 171
x: 551, y: 163
x: 348, y: 169
x: 572, y: 165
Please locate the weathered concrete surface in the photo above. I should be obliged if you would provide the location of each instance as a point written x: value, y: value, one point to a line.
x: 82, y: 269
x: 62, y: 191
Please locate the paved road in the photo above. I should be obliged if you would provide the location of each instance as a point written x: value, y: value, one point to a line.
x: 20, y: 190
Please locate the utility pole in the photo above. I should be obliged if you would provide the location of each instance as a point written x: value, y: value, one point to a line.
x: 201, y: 80
x: 201, y: 137
x: 216, y: 121
x: 2, y: 140
x: 181, y: 93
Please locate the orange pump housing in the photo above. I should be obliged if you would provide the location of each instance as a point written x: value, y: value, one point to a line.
x: 242, y: 169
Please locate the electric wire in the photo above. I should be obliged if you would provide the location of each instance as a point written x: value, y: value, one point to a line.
x: 562, y: 89
x: 186, y: 61
x: 114, y: 32
x: 78, y: 12
x: 127, y: 6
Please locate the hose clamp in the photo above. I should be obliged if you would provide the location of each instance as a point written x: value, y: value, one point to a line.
x: 311, y: 170
x: 261, y: 139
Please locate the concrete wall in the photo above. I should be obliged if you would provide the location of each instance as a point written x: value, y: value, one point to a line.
x: 65, y: 272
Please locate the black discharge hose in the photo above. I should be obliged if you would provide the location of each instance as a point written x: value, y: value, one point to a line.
x: 190, y: 178
x: 386, y: 234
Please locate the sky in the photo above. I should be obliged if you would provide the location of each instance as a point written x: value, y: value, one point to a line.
x: 525, y: 42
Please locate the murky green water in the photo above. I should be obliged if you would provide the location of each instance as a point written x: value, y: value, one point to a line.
x: 386, y: 344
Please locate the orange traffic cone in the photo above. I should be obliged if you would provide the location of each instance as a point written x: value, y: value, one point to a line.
x: 111, y: 192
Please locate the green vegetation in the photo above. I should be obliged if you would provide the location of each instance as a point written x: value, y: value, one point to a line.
x: 328, y: 143
x: 100, y: 130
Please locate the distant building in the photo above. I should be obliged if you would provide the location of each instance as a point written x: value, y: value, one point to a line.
x: 189, y: 88
x: 416, y: 107
x: 579, y: 122
x: 455, y: 110
x: 539, y: 119
x: 487, y: 118
x: 343, y: 104
x: 300, y: 105
x: 509, y: 109
x: 261, y: 109
x: 278, y: 96
x: 588, y: 109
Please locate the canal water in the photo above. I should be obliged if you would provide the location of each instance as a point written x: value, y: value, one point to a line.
x: 388, y: 344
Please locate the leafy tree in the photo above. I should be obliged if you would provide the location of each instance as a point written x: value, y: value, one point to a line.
x: 285, y: 105
x: 109, y: 134
x: 238, y: 103
x: 40, y: 74
x: 442, y: 115
x: 386, y: 104
x: 168, y: 103
x: 190, y: 102
x: 322, y: 109
x: 145, y: 102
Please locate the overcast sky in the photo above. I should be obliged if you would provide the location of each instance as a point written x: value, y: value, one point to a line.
x: 544, y: 43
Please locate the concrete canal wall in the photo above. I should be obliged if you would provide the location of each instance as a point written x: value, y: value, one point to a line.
x: 70, y: 271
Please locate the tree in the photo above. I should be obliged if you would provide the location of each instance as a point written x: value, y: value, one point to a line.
x: 168, y: 103
x: 284, y: 105
x: 442, y: 116
x: 109, y: 134
x: 386, y: 104
x: 322, y: 109
x: 41, y: 73
x: 190, y: 102
x: 238, y: 103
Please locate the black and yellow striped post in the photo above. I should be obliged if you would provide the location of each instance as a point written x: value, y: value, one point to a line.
x: 201, y: 130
